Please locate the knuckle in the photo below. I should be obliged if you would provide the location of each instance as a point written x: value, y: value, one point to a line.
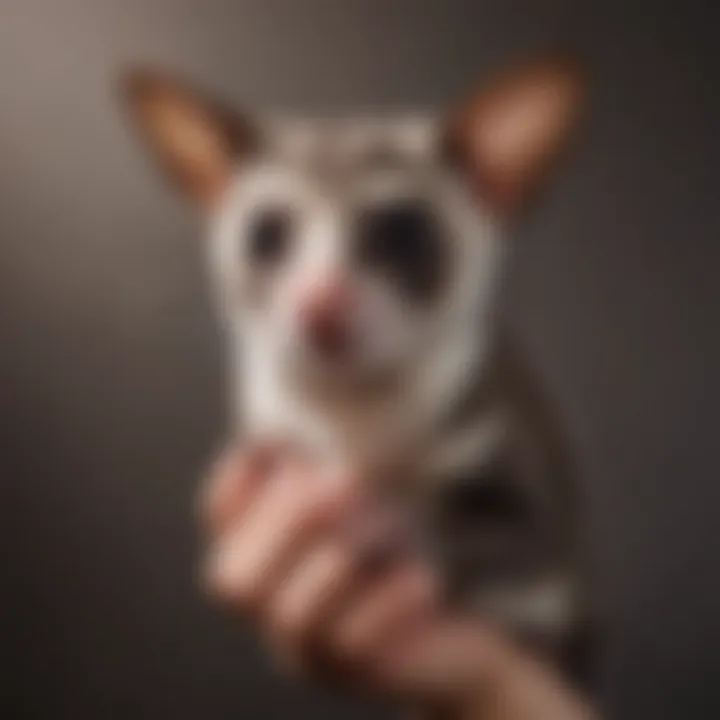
x: 233, y: 584
x: 217, y: 487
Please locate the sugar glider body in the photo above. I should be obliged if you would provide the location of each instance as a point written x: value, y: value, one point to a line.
x: 355, y: 265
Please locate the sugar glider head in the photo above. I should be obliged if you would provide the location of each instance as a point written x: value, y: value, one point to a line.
x: 347, y: 247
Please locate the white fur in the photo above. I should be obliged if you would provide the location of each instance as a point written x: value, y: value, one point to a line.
x: 438, y: 351
x: 468, y: 448
x: 544, y: 605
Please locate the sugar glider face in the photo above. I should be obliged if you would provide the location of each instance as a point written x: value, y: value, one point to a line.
x: 343, y: 246
x: 346, y: 248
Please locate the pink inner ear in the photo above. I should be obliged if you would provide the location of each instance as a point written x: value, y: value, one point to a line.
x: 196, y: 140
x: 506, y: 138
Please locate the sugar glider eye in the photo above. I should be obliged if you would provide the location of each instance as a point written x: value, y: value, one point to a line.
x: 402, y: 238
x: 269, y: 235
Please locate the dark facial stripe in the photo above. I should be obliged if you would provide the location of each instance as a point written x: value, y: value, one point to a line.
x: 491, y: 495
x: 402, y: 240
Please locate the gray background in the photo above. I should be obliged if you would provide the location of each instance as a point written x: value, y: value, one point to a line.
x: 111, y: 384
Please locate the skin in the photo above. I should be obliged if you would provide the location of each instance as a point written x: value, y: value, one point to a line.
x: 279, y: 552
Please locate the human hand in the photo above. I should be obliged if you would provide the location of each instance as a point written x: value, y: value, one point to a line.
x: 287, y: 550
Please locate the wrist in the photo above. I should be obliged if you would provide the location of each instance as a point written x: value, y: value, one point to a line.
x: 483, y: 662
x: 511, y: 684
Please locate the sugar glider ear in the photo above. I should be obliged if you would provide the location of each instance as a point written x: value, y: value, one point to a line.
x: 508, y: 136
x: 196, y: 140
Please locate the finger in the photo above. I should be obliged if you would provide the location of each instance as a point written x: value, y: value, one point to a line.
x: 311, y: 594
x: 253, y: 557
x: 233, y: 482
x: 378, y: 536
x: 385, y: 611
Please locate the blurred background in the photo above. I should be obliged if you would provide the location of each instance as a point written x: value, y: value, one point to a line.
x: 111, y: 384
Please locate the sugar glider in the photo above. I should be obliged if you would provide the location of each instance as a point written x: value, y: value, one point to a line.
x: 355, y: 263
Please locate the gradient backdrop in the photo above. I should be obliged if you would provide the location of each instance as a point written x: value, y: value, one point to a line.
x: 111, y: 393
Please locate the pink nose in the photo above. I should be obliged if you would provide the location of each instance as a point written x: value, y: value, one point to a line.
x: 324, y: 315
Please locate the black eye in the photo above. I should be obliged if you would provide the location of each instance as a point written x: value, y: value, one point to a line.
x: 402, y: 239
x: 269, y: 235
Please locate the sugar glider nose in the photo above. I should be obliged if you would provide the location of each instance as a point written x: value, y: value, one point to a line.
x: 324, y: 316
x: 329, y: 335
